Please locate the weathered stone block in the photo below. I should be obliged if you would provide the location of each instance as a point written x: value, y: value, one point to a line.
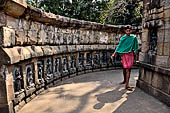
x: 161, y: 36
x: 147, y: 76
x: 143, y: 57
x: 13, y: 55
x: 145, y: 46
x: 51, y: 37
x: 166, y: 13
x: 42, y: 35
x: 47, y: 50
x: 160, y: 48
x: 163, y: 61
x: 157, y: 80
x: 32, y: 37
x: 21, y: 37
x: 7, y: 37
x: 15, y: 7
x: 37, y: 51
x: 166, y: 49
x: 145, y: 35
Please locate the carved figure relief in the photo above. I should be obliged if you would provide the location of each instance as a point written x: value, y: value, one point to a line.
x: 88, y: 59
x: 49, y: 69
x: 29, y: 76
x: 80, y: 60
x: 72, y: 62
x: 56, y: 65
x: 65, y: 64
x: 18, y: 81
x: 104, y: 57
x: 40, y: 69
x: 96, y: 59
x: 153, y: 41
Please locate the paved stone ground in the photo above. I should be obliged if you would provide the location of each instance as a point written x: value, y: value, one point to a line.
x: 97, y: 92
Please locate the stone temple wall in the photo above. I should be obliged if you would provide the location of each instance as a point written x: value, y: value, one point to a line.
x: 40, y: 49
x: 155, y: 52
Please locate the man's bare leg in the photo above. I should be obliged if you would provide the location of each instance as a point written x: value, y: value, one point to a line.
x: 124, y: 76
x: 127, y: 78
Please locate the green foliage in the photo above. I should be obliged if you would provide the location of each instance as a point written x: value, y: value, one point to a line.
x: 89, y: 10
x: 120, y: 12
x: 31, y: 2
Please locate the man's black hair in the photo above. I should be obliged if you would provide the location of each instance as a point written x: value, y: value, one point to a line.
x: 127, y: 27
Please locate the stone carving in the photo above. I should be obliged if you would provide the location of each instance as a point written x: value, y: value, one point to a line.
x: 72, y: 62
x: 49, y: 69
x: 80, y: 60
x: 56, y: 65
x: 153, y: 42
x: 96, y: 59
x: 18, y: 80
x: 40, y: 69
x: 88, y: 59
x: 29, y: 76
x: 65, y: 64
x: 104, y: 57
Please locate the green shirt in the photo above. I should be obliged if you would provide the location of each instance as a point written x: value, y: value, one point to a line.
x: 127, y: 44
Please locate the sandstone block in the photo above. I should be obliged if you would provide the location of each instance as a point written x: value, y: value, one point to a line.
x: 42, y: 35
x: 160, y: 48
x: 13, y: 55
x: 47, y: 50
x: 166, y: 13
x: 37, y: 50
x: 148, y: 77
x: 32, y: 37
x: 166, y: 49
x: 145, y: 35
x: 15, y: 7
x: 145, y: 46
x: 7, y: 37
x: 21, y: 37
x: 157, y: 80
x: 163, y: 61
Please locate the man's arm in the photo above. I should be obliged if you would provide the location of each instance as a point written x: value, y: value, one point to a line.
x: 113, y: 55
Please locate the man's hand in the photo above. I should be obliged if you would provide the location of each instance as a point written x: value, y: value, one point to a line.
x: 113, y: 55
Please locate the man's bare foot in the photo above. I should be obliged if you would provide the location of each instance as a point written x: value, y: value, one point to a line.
x: 122, y: 82
x: 129, y: 88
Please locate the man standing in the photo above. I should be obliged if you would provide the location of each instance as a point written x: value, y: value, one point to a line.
x: 127, y: 48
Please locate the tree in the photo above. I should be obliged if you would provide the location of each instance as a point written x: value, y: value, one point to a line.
x: 122, y: 12
x: 89, y: 10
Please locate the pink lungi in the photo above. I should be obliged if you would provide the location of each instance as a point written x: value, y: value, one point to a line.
x: 127, y: 60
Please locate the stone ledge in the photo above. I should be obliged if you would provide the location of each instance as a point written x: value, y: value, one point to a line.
x: 155, y: 68
x: 17, y: 54
x: 162, y: 96
x: 66, y: 22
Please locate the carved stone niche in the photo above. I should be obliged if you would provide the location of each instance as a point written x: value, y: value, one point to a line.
x: 96, y: 59
x: 72, y: 63
x: 56, y: 66
x: 88, y: 59
x: 80, y: 60
x: 18, y: 81
x: 30, y: 78
x: 40, y: 68
x: 104, y: 58
x: 65, y: 64
x: 49, y: 70
x: 153, y: 40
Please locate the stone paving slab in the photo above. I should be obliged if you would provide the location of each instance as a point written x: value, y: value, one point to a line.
x: 97, y: 92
